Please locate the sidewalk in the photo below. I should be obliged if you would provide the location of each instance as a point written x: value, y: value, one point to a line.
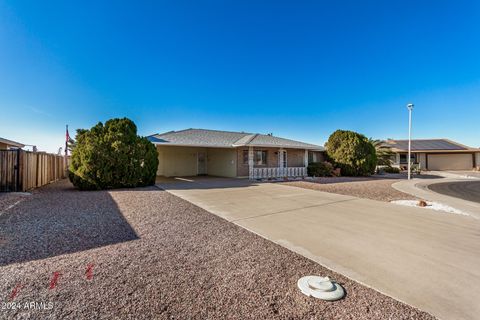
x: 419, y: 188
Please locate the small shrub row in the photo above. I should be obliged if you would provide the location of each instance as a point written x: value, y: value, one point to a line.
x: 391, y: 169
x: 321, y: 169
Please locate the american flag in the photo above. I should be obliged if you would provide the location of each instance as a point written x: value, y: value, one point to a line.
x: 67, y: 139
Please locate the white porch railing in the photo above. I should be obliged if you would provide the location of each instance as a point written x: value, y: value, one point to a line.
x: 265, y: 173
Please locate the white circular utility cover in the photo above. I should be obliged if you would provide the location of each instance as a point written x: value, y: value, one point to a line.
x: 321, y: 288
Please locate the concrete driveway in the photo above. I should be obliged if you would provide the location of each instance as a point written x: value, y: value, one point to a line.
x: 427, y: 259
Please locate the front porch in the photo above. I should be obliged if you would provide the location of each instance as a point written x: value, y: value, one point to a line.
x: 273, y: 163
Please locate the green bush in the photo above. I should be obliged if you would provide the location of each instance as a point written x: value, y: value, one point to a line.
x: 352, y: 153
x: 320, y: 169
x: 391, y: 169
x: 112, y: 156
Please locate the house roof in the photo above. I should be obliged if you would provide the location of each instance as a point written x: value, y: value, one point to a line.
x: 428, y: 145
x: 11, y: 143
x: 225, y: 139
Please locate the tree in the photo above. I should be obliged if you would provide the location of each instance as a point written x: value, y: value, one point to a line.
x: 384, y: 152
x: 352, y: 153
x: 112, y: 156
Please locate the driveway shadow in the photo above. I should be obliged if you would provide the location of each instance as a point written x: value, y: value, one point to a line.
x: 58, y: 219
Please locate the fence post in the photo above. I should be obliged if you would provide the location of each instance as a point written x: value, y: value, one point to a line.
x: 17, y: 173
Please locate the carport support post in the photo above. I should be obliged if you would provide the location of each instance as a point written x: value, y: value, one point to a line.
x: 305, y: 162
x: 250, y: 162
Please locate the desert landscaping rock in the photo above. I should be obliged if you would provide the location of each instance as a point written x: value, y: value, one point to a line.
x: 10, y: 199
x: 363, y: 187
x: 151, y: 255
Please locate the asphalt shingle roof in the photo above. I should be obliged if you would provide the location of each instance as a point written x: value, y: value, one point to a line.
x: 12, y: 143
x: 225, y: 139
x: 427, y: 144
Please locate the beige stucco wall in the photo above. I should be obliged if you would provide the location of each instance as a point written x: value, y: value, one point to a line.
x: 477, y: 159
x: 222, y: 162
x: 178, y: 161
x: 422, y: 160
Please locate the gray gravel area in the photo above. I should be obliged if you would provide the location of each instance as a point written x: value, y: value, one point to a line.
x: 375, y: 188
x: 155, y: 256
x: 10, y: 199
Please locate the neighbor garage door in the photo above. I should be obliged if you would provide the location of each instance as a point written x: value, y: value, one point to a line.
x: 450, y: 161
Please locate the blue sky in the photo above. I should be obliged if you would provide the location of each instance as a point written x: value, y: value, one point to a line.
x: 297, y: 69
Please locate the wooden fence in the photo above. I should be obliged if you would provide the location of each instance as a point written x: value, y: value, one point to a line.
x: 24, y: 170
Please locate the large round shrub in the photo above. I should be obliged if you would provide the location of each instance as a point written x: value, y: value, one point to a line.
x: 112, y: 156
x: 352, y: 153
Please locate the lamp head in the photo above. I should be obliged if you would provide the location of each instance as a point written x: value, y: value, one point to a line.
x: 410, y: 106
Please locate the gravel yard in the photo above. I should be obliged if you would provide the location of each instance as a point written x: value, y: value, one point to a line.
x: 10, y: 199
x: 375, y: 188
x: 144, y: 253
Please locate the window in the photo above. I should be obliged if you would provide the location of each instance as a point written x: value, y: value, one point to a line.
x: 403, y: 158
x: 245, y: 156
x: 312, y: 157
x: 259, y: 157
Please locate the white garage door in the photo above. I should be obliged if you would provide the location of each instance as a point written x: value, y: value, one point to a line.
x: 450, y: 161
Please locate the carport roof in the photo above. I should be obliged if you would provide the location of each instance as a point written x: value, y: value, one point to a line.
x: 226, y: 139
x: 427, y: 145
x: 11, y: 143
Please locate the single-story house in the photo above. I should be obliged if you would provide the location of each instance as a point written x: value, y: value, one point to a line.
x: 435, y: 154
x: 6, y: 144
x: 194, y: 152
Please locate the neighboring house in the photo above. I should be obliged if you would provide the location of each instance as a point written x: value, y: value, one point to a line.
x: 193, y: 152
x: 6, y: 144
x: 435, y: 154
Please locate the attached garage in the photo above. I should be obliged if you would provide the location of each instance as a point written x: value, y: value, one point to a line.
x: 435, y: 154
x: 452, y: 161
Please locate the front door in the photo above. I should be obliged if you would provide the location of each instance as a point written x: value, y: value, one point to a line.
x: 201, y: 163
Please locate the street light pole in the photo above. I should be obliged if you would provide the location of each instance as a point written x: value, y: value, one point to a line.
x: 410, y: 108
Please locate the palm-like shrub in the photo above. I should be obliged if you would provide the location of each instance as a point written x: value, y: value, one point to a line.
x: 112, y: 156
x: 384, y: 152
x: 352, y: 153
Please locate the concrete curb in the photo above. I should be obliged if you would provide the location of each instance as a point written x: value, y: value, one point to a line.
x: 419, y: 188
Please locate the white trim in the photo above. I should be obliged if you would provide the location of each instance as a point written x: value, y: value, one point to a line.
x: 276, y: 172
x: 250, y: 162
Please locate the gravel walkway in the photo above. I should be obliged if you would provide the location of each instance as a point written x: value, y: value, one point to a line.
x: 144, y: 253
x: 369, y: 187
